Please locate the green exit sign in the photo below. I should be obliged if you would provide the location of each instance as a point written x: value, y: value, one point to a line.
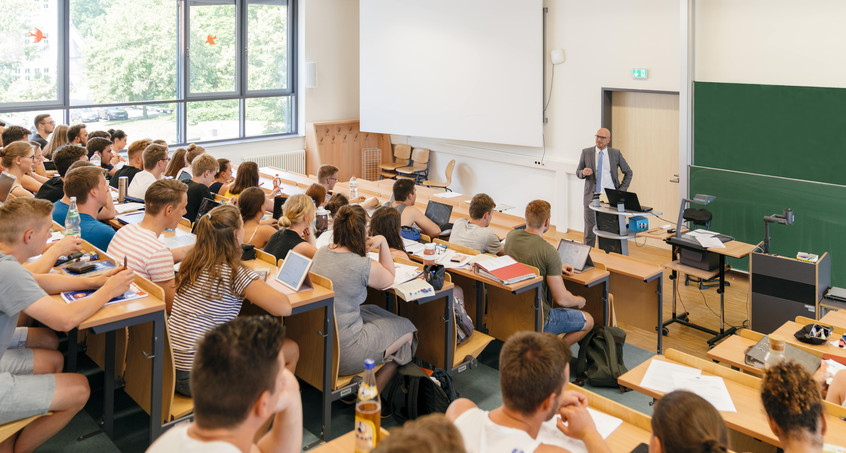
x: 640, y: 74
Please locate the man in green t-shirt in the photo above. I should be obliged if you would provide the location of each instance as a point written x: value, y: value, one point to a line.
x: 529, y: 247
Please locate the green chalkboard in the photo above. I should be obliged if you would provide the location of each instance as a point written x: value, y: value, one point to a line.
x: 789, y: 131
x: 743, y: 200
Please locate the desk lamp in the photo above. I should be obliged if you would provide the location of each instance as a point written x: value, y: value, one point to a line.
x: 698, y: 199
x: 785, y: 218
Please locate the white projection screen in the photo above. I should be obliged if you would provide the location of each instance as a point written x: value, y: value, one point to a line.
x: 453, y: 69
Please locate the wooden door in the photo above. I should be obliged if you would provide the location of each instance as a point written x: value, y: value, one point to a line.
x: 645, y: 128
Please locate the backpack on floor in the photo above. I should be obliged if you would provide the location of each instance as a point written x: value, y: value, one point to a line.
x: 412, y: 393
x: 600, y: 359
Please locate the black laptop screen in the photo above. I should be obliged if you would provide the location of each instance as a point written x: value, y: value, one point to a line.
x: 438, y: 212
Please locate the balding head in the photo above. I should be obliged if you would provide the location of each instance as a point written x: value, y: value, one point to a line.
x: 603, y: 138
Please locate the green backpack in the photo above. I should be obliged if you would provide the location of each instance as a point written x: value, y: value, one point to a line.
x: 600, y: 359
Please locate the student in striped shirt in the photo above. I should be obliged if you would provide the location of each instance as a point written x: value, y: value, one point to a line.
x: 164, y: 203
x: 211, y: 285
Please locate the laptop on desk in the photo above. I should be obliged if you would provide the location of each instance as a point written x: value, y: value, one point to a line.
x: 440, y: 214
x: 629, y: 199
x: 576, y: 255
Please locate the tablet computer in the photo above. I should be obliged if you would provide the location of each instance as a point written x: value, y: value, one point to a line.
x: 576, y: 255
x: 294, y: 271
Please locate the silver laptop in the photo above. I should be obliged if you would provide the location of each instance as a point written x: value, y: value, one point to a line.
x: 575, y: 254
x: 7, y: 181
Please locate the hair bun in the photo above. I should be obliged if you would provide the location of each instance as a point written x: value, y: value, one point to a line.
x: 712, y: 446
x: 191, y: 147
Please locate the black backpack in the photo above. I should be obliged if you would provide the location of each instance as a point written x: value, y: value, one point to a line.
x: 411, y: 393
x: 600, y: 360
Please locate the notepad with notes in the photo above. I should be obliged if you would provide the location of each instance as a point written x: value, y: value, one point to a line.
x: 503, y: 269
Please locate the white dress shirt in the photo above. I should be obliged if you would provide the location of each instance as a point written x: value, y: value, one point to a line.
x: 607, y: 182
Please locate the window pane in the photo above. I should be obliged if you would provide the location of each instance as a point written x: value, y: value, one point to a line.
x: 25, y: 119
x: 212, y: 49
x: 212, y: 120
x: 267, y: 45
x: 268, y: 116
x: 122, y: 50
x: 29, y: 56
x: 155, y: 121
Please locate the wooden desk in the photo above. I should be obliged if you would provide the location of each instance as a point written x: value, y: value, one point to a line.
x: 732, y: 352
x: 344, y: 443
x: 659, y: 233
x: 734, y: 249
x: 318, y: 373
x: 789, y: 328
x: 112, y: 318
x: 834, y: 318
x: 628, y: 278
x: 635, y: 430
x: 750, y: 418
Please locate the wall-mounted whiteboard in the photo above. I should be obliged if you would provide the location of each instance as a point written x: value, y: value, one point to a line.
x: 453, y: 69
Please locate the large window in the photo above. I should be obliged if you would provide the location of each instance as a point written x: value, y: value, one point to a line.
x: 179, y: 70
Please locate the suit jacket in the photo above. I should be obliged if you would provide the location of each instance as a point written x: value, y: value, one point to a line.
x: 587, y: 160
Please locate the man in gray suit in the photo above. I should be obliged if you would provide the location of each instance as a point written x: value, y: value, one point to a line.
x: 598, y: 164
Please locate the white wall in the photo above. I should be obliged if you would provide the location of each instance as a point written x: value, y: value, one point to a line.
x: 602, y: 41
x: 329, y: 37
x: 774, y: 42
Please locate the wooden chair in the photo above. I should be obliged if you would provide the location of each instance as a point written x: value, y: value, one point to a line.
x: 220, y: 199
x: 418, y: 169
x: 10, y: 429
x: 402, y: 158
x: 139, y: 366
x: 442, y: 184
x: 456, y: 247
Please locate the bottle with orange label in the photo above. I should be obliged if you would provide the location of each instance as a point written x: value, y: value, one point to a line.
x: 277, y: 181
x: 368, y: 411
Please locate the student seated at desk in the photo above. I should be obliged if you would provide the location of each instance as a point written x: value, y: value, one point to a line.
x: 794, y: 407
x: 54, y: 189
x: 405, y: 194
x: 248, y: 176
x: 17, y: 159
x: 318, y: 194
x: 529, y: 247
x: 222, y: 177
x: 364, y: 331
x: 474, y: 233
x: 211, y: 286
x: 177, y: 163
x: 335, y: 202
x: 251, y: 205
x: 683, y: 422
x: 31, y: 378
x: 327, y: 176
x: 432, y: 433
x: 837, y: 390
x: 295, y: 230
x: 155, y: 162
x: 534, y: 369
x: 134, y: 165
x: 386, y: 222
x: 229, y: 408
x: 204, y: 169
x: 102, y: 148
x: 164, y: 205
x: 88, y: 185
x: 193, y: 151
x: 61, y: 206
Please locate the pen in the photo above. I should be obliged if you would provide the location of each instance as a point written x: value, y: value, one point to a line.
x: 124, y: 262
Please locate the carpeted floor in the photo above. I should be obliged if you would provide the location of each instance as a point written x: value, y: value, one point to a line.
x: 480, y: 384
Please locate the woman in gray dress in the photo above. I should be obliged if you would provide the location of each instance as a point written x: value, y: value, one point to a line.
x: 364, y: 331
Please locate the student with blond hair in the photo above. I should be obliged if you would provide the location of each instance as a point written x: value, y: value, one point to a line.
x: 18, y: 159
x: 155, y: 162
x: 295, y: 231
x: 57, y: 140
x: 561, y: 309
x: 211, y: 285
x: 135, y: 164
x: 204, y: 169
x: 192, y: 152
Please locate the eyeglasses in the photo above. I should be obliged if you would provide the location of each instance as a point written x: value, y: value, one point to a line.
x: 28, y: 157
x: 601, y: 137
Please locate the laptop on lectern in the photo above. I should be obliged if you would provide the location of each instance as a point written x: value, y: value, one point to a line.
x: 629, y: 199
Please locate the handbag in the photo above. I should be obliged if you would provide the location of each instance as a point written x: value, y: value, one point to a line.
x: 434, y: 275
x: 248, y: 252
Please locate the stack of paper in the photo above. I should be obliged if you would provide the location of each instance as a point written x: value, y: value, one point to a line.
x: 128, y: 207
x: 451, y: 259
x: 404, y: 273
x: 707, y: 239
x: 447, y: 195
x: 667, y: 377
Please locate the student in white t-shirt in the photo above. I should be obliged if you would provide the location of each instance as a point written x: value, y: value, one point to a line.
x: 155, y: 163
x: 164, y: 203
x: 474, y: 233
x: 533, y: 372
x: 229, y: 408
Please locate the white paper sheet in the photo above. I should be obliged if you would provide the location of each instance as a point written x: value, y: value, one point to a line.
x: 711, y: 388
x: 128, y: 207
x: 659, y: 375
x: 710, y: 242
x: 445, y: 259
x: 549, y: 433
x: 447, y: 195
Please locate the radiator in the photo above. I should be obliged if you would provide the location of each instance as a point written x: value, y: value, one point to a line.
x: 293, y: 161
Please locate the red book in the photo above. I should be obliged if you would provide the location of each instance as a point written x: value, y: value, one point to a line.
x: 504, y: 269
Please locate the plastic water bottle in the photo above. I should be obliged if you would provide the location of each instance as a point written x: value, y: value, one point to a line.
x: 368, y: 411
x: 72, y: 220
x: 95, y: 159
x: 353, y: 188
